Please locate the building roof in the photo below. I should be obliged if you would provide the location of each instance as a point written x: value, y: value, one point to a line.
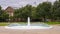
x: 9, y: 9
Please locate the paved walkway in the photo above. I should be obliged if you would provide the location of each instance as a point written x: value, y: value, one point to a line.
x: 54, y: 30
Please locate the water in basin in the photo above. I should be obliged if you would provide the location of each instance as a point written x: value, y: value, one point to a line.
x: 28, y: 26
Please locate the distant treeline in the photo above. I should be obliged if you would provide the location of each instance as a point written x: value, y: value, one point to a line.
x: 45, y: 11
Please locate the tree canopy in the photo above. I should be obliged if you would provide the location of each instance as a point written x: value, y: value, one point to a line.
x: 45, y: 10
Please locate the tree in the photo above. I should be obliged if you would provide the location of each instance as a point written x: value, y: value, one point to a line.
x: 43, y: 10
x: 0, y: 7
x: 33, y: 13
x: 23, y: 12
x: 56, y: 9
x: 3, y: 15
x: 27, y: 11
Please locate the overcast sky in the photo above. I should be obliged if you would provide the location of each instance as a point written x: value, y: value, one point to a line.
x: 19, y: 3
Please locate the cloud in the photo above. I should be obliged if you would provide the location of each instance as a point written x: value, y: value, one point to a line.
x: 19, y: 3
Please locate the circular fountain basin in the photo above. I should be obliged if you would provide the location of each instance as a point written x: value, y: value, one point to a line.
x: 25, y: 26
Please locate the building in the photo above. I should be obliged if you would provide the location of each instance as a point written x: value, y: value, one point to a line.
x: 9, y: 10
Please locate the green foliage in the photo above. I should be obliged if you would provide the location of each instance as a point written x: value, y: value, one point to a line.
x: 52, y: 23
x: 23, y: 12
x: 3, y: 15
x: 56, y: 10
x: 0, y: 7
x: 27, y: 11
x: 43, y: 10
x: 33, y: 13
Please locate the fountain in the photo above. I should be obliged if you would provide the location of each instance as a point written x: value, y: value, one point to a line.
x: 28, y: 26
x: 28, y: 21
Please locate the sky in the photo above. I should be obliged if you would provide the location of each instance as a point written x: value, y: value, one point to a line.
x: 20, y: 3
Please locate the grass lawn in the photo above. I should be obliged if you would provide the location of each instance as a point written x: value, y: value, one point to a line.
x: 52, y: 23
x: 6, y: 23
x: 3, y: 24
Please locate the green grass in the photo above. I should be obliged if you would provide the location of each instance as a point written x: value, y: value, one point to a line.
x: 6, y: 23
x: 52, y: 23
x: 3, y: 24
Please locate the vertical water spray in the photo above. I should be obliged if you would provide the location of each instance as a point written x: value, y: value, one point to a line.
x: 28, y: 21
